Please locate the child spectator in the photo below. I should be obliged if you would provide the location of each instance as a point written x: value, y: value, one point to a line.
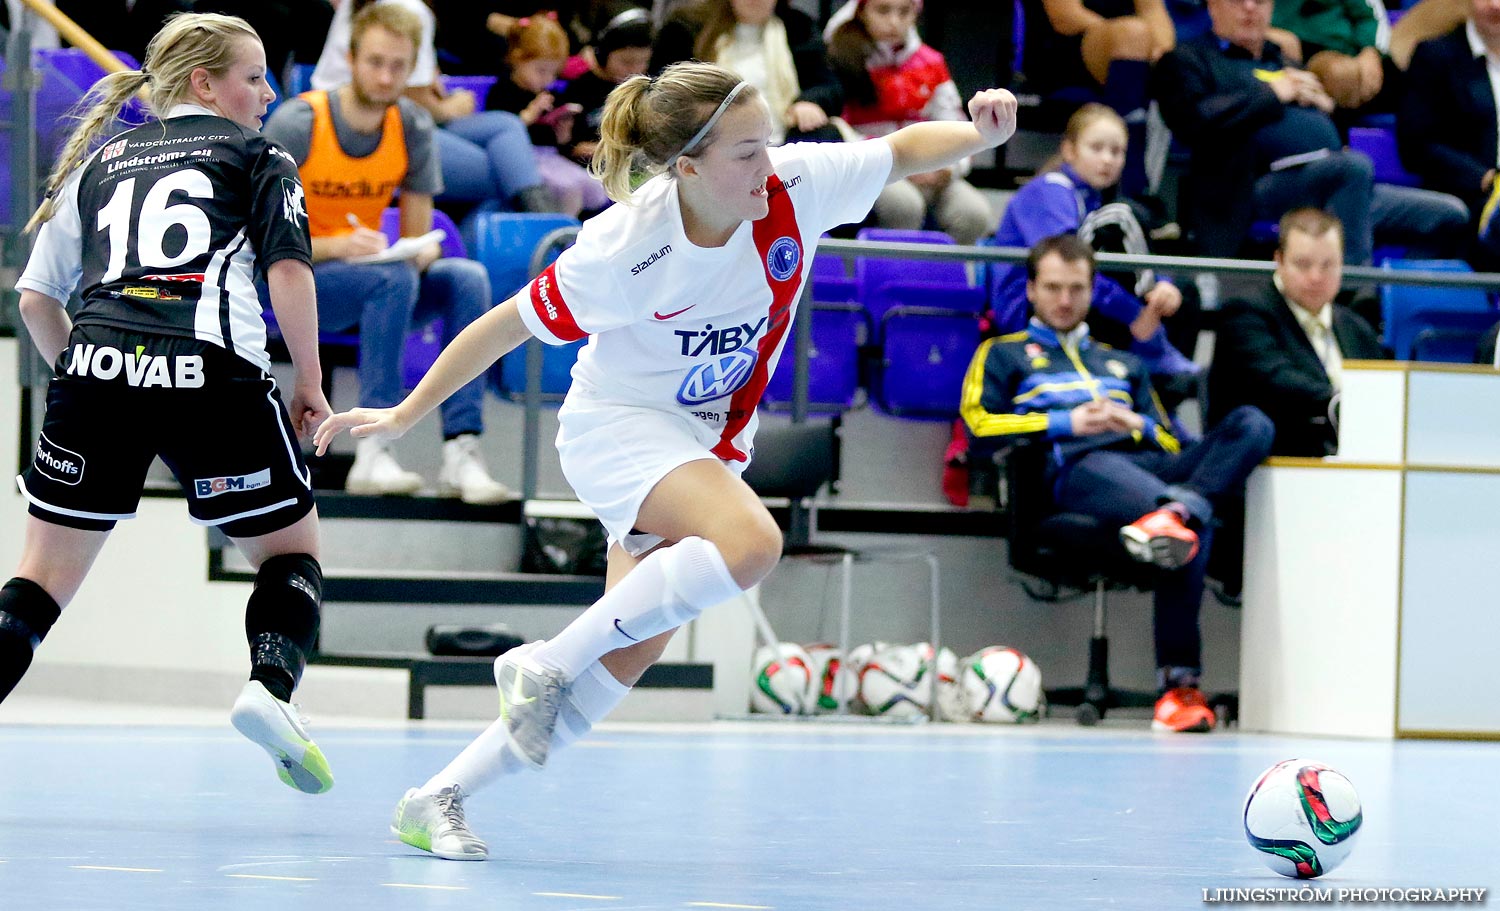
x: 538, y: 50
x: 622, y: 48
x: 891, y: 79
x: 1071, y: 198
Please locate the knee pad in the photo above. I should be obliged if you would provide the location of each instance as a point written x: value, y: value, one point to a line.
x: 281, y: 618
x: 27, y: 612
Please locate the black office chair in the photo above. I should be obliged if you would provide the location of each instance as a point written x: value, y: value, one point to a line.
x: 795, y: 461
x: 1066, y: 552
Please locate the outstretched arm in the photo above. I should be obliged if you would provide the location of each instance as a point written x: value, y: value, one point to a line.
x: 923, y: 147
x: 483, y: 342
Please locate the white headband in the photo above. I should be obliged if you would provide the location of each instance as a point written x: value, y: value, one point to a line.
x: 718, y: 112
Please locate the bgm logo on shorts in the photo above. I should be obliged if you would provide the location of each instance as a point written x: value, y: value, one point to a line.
x: 207, y: 488
x: 783, y: 257
x: 61, y: 465
x: 717, y: 378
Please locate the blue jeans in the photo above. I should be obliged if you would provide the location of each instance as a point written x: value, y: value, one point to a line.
x: 1119, y: 487
x: 383, y: 302
x: 486, y: 156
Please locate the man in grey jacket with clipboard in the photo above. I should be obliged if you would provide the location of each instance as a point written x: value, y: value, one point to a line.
x: 355, y: 147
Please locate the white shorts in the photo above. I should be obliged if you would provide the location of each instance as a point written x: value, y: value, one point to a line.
x: 614, y: 455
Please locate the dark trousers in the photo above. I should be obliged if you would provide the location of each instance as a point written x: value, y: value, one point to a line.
x: 1119, y: 487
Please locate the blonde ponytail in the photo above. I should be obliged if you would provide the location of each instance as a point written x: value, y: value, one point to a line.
x: 620, y: 137
x: 100, y: 106
x: 650, y: 122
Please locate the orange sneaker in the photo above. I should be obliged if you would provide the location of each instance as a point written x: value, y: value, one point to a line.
x: 1160, y: 537
x: 1183, y: 710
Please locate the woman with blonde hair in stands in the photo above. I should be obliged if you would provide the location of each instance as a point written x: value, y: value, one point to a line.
x: 163, y: 230
x: 686, y: 291
x: 772, y: 46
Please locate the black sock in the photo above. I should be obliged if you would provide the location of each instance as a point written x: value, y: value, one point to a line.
x: 277, y: 681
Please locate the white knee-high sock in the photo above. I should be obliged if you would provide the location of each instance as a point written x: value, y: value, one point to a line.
x: 664, y: 591
x: 591, y: 697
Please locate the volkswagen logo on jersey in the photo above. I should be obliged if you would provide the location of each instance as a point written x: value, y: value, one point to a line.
x: 783, y: 257
x: 717, y: 378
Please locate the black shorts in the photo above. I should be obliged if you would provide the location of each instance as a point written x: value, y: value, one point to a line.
x: 120, y: 398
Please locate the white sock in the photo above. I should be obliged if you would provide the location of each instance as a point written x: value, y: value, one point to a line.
x: 590, y: 698
x: 664, y: 591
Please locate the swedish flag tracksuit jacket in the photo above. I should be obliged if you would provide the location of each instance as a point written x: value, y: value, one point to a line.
x: 1027, y: 384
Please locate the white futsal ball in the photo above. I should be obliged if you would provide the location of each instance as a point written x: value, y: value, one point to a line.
x: 860, y: 655
x: 833, y: 685
x: 1301, y: 818
x: 897, y: 682
x: 1000, y: 684
x: 780, y: 679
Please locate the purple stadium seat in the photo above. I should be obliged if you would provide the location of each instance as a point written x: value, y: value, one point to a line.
x: 925, y: 353
x: 870, y: 272
x: 479, y: 85
x: 452, y: 244
x: 928, y: 334
x: 941, y: 295
x: 1380, y: 145
x: 839, y: 333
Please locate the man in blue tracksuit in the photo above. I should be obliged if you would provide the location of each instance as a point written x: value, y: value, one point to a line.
x: 1112, y: 454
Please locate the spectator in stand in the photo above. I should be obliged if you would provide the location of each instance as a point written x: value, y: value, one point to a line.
x: 485, y: 157
x: 1112, y: 457
x: 622, y: 48
x: 538, y: 50
x: 1106, y: 47
x: 1071, y: 198
x: 1344, y: 43
x: 891, y: 79
x: 1261, y: 143
x: 355, y: 147
x: 1447, y: 129
x: 775, y: 48
x: 1283, y: 351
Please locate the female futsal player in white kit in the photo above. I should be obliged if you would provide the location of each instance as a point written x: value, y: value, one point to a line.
x: 686, y: 292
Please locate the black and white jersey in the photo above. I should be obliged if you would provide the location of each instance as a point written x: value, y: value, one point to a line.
x: 165, y: 227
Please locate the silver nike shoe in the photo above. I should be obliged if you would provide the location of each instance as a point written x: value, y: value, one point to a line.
x: 530, y: 698
x: 435, y: 823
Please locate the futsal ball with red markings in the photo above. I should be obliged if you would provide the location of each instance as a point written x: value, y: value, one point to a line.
x: 1301, y: 817
x: 897, y: 682
x: 780, y: 679
x: 1001, y: 685
x: 833, y: 685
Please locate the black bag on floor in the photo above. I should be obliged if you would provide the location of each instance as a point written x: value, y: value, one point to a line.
x: 565, y: 546
x: 490, y: 640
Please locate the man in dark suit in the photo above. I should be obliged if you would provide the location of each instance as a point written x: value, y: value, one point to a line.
x: 1284, y: 351
x: 1446, y: 129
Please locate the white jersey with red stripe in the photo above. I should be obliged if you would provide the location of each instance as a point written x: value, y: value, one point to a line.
x: 696, y: 330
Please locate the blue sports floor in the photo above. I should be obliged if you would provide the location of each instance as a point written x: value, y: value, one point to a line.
x: 737, y: 816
